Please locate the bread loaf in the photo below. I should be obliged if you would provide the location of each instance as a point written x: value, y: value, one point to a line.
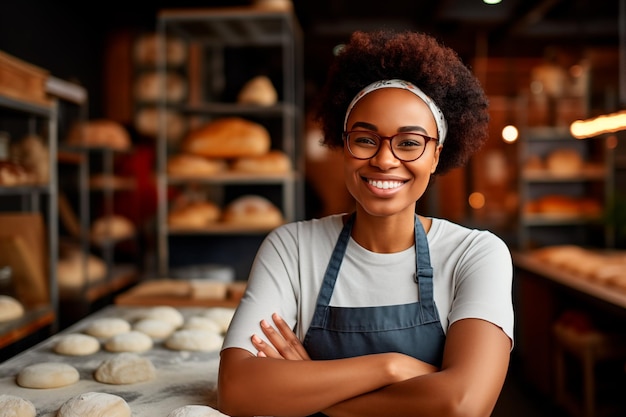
x: 147, y: 124
x: 274, y: 161
x: 148, y: 87
x: 187, y: 165
x: 228, y: 137
x: 99, y: 133
x: 252, y: 211
x: 146, y: 50
x: 195, y: 214
x: 564, y: 162
x: 259, y: 91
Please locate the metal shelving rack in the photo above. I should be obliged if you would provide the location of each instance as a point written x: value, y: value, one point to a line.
x: 210, y: 32
x: 27, y: 116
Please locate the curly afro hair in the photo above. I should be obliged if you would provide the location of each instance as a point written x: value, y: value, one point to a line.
x: 420, y: 59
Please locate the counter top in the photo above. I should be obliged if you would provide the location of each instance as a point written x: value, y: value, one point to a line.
x: 183, y: 377
x: 559, y: 275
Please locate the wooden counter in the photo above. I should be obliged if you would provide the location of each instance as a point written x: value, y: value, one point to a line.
x: 606, y: 293
x: 183, y: 377
x: 542, y: 293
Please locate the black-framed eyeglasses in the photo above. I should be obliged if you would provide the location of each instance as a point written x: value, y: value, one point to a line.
x: 405, y: 146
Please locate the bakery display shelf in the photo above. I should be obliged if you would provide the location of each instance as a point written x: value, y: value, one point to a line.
x: 221, y: 228
x: 558, y: 219
x: 230, y: 177
x: 278, y: 109
x: 121, y: 277
x: 590, y: 173
x: 26, y: 107
x: 548, y: 133
x: 230, y: 26
x: 34, y: 319
x: 611, y: 294
x: 24, y: 189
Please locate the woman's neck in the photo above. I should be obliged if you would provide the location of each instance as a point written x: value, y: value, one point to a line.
x: 386, y: 234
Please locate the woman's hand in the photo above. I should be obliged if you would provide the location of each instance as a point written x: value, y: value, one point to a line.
x: 284, y: 344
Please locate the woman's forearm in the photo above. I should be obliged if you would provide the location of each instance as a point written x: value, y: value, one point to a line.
x: 250, y: 385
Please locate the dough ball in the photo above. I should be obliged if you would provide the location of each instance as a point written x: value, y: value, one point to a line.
x: 95, y: 404
x: 202, y: 323
x: 220, y: 315
x: 125, y: 368
x: 47, y: 375
x: 131, y: 341
x: 195, y: 411
x: 167, y: 314
x: 12, y: 406
x: 106, y: 327
x: 194, y: 339
x: 77, y: 344
x: 156, y: 329
x: 10, y: 308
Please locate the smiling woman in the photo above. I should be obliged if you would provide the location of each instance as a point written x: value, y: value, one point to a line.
x: 379, y: 311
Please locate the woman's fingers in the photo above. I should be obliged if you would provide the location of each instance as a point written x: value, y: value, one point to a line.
x: 263, y: 349
x: 290, y: 337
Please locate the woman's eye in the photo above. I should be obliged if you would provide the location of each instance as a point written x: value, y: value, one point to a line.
x: 365, y: 140
x: 410, y: 142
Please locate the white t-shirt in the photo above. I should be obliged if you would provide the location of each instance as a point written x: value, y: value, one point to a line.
x: 472, y: 277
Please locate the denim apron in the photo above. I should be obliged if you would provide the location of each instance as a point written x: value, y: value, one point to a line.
x: 413, y: 329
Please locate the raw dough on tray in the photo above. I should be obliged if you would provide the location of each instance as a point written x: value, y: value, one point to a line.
x: 195, y: 411
x: 156, y: 329
x: 132, y: 341
x: 47, y: 375
x: 77, y: 344
x: 125, y: 368
x: 12, y: 406
x: 95, y: 404
x: 106, y: 327
x: 195, y: 340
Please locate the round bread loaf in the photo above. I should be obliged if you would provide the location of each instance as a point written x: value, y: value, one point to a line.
x: 228, y: 137
x: 77, y: 344
x: 12, y: 173
x: 564, y: 162
x: 146, y: 50
x: 195, y: 214
x: 259, y: 91
x: 76, y: 269
x: 99, y: 133
x: 187, y: 165
x: 147, y: 123
x: 252, y: 211
x: 148, y: 87
x: 273, y: 162
x: 112, y: 227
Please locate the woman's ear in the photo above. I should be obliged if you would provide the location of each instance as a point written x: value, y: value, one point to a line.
x: 435, y: 160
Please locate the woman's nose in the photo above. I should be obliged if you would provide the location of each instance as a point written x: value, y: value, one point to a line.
x: 385, y: 158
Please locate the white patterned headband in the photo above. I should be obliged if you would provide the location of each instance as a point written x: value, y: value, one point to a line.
x: 440, y: 120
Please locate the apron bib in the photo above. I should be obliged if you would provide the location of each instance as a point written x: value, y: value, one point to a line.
x: 413, y: 329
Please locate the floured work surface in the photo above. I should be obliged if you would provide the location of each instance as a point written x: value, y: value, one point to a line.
x: 182, y: 377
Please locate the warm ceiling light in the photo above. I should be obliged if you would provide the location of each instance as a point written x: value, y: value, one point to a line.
x: 602, y: 124
x: 492, y: 1
x: 510, y: 134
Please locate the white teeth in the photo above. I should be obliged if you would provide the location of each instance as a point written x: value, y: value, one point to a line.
x: 385, y: 185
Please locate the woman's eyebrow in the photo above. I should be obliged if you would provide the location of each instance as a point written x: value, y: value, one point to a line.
x: 365, y: 125
x: 373, y: 128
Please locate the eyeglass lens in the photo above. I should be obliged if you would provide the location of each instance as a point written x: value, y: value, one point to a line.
x: 404, y: 146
